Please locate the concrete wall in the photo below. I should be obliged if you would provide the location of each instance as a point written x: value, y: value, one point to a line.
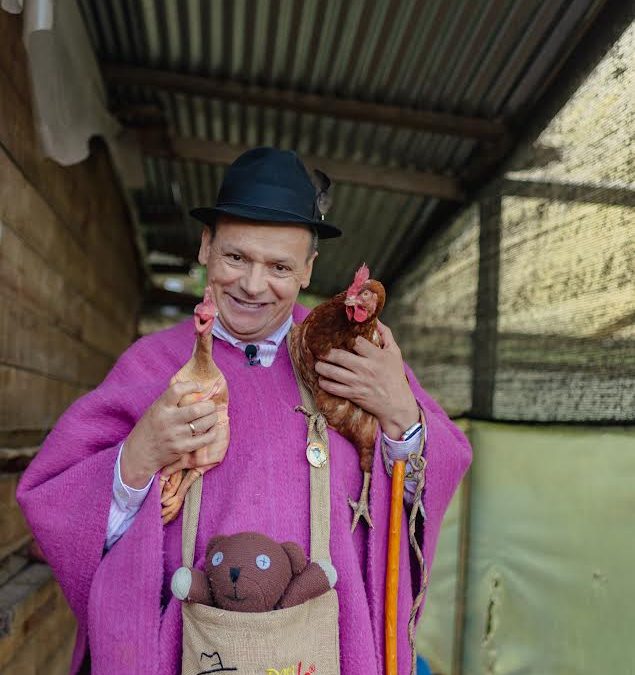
x: 70, y: 285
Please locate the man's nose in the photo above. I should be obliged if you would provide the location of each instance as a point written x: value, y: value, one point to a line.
x: 253, y: 282
x: 234, y: 573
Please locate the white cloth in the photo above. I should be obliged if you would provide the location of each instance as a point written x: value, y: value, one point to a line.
x: 127, y: 501
x: 68, y: 94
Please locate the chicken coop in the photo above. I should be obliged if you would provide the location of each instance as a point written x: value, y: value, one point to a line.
x: 483, y: 161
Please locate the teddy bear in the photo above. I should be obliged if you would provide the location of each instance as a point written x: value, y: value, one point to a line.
x: 249, y: 572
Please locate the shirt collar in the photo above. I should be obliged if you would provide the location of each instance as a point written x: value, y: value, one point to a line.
x: 219, y: 331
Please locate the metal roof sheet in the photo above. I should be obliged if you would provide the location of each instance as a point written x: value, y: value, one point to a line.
x: 483, y: 58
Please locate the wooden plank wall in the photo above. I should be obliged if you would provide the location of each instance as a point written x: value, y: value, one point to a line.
x: 70, y: 289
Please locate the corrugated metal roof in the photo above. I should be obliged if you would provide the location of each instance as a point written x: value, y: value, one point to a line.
x: 449, y: 56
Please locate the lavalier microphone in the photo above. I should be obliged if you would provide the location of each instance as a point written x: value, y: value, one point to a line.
x: 251, y: 351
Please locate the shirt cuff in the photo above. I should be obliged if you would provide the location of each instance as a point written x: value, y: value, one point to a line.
x: 399, y: 450
x: 127, y: 498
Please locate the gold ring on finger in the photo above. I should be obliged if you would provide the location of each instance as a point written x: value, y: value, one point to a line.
x: 193, y: 430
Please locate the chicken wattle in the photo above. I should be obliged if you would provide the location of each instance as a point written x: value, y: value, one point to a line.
x: 202, y: 370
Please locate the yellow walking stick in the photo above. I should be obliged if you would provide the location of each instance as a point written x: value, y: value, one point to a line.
x: 392, y: 567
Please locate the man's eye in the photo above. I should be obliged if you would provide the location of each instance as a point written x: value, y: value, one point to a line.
x: 281, y: 268
x: 235, y: 257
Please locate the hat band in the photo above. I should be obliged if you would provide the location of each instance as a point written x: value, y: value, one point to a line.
x: 271, y: 198
x: 221, y: 205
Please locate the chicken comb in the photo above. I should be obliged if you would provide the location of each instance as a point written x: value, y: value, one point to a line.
x: 361, y: 277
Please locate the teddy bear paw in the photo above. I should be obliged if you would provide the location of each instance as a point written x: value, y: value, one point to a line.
x: 181, y: 583
x: 329, y: 570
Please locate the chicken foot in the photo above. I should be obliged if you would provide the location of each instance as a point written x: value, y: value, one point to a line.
x: 360, y: 507
x: 175, y: 488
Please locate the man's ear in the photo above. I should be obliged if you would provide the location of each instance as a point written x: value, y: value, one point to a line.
x: 206, y: 245
x: 296, y: 556
x: 306, y: 279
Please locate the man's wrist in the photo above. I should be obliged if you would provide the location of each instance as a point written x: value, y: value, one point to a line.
x: 401, y: 420
x: 133, y: 476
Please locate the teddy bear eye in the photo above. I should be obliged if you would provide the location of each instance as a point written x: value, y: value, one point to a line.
x: 217, y: 558
x: 263, y: 561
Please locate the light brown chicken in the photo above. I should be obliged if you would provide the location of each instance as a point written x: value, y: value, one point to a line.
x: 202, y: 370
x: 335, y: 324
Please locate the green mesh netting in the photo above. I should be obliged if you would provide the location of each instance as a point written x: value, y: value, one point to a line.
x: 524, y: 309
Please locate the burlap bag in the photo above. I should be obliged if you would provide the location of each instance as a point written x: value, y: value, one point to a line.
x: 300, y: 640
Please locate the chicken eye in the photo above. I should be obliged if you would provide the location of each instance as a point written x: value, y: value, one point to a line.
x: 217, y: 558
x: 263, y: 561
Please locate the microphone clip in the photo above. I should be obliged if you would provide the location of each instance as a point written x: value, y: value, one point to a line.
x: 251, y: 352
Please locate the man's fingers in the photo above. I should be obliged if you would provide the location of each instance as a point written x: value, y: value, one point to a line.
x: 175, y: 392
x: 203, y: 424
x: 195, y: 443
x: 335, y: 388
x: 341, y: 357
x: 364, y: 347
x: 335, y: 373
x: 386, y: 335
x: 193, y: 411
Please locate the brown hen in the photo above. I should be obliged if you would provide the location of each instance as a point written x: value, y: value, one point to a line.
x: 334, y: 325
x: 202, y: 370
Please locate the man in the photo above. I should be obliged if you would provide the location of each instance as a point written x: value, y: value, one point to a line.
x: 90, y: 494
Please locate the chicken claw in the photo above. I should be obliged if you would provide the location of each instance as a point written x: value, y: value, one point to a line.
x: 170, y: 485
x: 360, y: 508
x: 172, y: 503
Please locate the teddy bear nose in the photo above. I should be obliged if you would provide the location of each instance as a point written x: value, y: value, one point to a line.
x: 234, y: 573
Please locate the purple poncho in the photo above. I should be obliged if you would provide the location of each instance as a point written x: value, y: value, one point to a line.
x: 122, y: 600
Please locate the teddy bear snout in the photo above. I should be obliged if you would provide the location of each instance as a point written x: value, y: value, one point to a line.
x: 234, y: 573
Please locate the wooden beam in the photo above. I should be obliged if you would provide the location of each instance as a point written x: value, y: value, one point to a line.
x: 327, y: 106
x: 581, y: 193
x: 395, y: 180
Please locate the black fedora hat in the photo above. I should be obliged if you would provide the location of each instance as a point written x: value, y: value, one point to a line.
x: 266, y: 184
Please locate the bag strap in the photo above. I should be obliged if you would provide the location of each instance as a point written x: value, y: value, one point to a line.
x: 320, y: 487
x: 190, y: 521
x: 320, y: 476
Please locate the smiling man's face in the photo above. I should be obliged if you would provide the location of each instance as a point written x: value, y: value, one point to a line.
x: 256, y: 272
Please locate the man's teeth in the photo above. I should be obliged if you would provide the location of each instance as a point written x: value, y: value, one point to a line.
x: 249, y: 304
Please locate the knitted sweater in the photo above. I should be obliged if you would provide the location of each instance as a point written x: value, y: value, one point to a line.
x: 122, y: 600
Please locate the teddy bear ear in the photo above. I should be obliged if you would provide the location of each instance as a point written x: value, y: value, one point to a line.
x: 296, y: 555
x: 213, y: 541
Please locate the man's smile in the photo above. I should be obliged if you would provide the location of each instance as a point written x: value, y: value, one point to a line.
x: 246, y: 304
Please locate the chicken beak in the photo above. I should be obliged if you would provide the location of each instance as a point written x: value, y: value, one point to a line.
x: 351, y: 301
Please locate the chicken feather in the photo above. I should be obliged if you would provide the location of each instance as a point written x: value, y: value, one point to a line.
x: 336, y: 323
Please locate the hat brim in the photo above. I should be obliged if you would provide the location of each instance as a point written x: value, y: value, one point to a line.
x: 208, y: 216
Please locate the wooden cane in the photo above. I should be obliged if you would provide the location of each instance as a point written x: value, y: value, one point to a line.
x: 392, y: 567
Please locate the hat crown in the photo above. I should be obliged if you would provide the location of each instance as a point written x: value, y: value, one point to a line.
x: 269, y: 178
x: 269, y: 185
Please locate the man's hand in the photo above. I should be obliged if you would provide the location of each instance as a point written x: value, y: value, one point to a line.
x: 163, y: 435
x: 374, y: 379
